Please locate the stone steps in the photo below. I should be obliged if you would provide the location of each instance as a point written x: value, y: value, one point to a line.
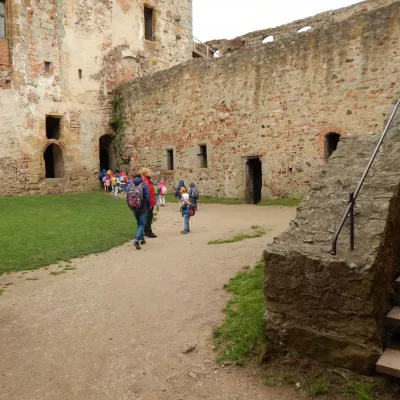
x: 389, y: 362
x: 397, y: 283
x: 393, y: 318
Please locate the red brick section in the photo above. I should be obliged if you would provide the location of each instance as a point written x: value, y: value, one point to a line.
x: 4, y: 54
x: 5, y: 65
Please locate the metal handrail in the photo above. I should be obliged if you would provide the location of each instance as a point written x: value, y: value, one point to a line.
x: 209, y: 50
x: 353, y: 196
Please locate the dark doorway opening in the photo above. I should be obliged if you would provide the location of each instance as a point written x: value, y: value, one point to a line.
x: 54, y: 162
x: 107, y: 152
x: 254, y: 184
x: 331, y: 143
x: 104, y: 159
x: 53, y: 130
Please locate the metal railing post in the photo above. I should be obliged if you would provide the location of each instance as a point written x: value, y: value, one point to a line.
x: 352, y: 203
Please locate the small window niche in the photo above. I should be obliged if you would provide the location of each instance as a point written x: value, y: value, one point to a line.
x: 148, y: 23
x: 170, y: 159
x: 331, y: 143
x: 80, y: 73
x: 53, y: 127
x: 202, y: 156
x: 2, y: 19
x: 47, y: 67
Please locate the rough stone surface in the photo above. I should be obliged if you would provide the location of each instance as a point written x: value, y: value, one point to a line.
x: 276, y: 101
x: 333, y: 307
x: 105, y: 40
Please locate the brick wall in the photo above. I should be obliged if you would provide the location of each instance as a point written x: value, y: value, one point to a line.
x: 5, y: 65
x: 102, y: 39
x: 276, y: 101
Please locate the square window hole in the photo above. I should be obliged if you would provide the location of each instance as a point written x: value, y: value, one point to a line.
x: 47, y: 67
x: 170, y: 160
x: 53, y: 125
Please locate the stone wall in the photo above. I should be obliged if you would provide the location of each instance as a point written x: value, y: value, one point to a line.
x: 90, y: 47
x: 288, y: 30
x: 333, y: 307
x: 275, y: 102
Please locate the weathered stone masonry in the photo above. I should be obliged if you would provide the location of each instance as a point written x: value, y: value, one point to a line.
x: 273, y: 101
x: 62, y: 59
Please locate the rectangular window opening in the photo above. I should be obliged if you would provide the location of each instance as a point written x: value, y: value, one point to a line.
x: 53, y: 127
x: 148, y: 23
x: 2, y: 19
x: 203, y: 156
x: 80, y: 73
x: 47, y: 67
x: 170, y: 160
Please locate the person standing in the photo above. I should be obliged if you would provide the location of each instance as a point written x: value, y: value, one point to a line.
x: 179, y: 192
x: 138, y: 199
x: 163, y: 191
x: 193, y: 195
x: 146, y: 176
x: 186, y: 213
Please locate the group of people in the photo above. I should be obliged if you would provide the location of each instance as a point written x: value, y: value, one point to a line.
x: 143, y: 196
x: 114, y: 181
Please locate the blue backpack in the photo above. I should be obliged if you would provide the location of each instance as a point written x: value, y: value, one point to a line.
x: 195, y: 193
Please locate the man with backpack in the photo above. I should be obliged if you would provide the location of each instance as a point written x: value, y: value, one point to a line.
x: 146, y: 176
x: 194, y: 195
x: 138, y: 199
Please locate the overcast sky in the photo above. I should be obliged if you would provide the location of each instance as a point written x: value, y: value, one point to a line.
x: 227, y: 19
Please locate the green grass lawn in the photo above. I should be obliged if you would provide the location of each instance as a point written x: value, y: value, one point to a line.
x: 241, y: 335
x: 42, y: 230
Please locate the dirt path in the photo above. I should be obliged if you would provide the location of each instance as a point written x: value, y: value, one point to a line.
x: 115, y: 328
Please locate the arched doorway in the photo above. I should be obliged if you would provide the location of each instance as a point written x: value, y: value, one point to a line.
x: 331, y: 143
x: 107, y: 152
x: 54, y: 161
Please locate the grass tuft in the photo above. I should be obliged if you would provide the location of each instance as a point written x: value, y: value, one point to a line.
x: 316, y: 386
x: 1, y: 291
x: 238, y: 238
x: 240, y: 336
x: 57, y: 272
x: 32, y: 279
x: 361, y: 390
x: 69, y: 268
x: 58, y: 228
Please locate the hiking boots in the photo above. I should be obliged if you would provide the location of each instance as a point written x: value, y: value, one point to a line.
x: 137, y: 244
x: 151, y: 235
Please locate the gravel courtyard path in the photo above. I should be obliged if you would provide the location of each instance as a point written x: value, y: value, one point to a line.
x: 116, y: 327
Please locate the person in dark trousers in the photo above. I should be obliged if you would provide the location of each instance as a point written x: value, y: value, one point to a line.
x: 179, y: 192
x: 146, y: 176
x: 141, y: 216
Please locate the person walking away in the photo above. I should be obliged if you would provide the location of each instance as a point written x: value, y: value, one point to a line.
x: 123, y: 180
x: 101, y: 177
x: 194, y: 195
x: 178, y: 192
x: 187, y: 212
x: 163, y: 191
x: 107, y: 183
x: 138, y: 199
x: 157, y: 192
x: 115, y: 185
x: 146, y: 176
